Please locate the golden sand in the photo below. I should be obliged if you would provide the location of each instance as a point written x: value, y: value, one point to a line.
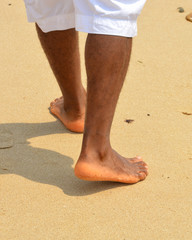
x: 40, y: 198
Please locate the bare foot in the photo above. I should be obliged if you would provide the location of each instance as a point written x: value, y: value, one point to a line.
x: 111, y: 167
x: 73, y: 122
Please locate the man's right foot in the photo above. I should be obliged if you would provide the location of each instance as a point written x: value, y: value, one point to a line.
x: 73, y: 122
x: 111, y: 167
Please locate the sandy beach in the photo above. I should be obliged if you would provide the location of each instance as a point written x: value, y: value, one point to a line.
x: 40, y: 198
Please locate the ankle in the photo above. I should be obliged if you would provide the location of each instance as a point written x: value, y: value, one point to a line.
x: 97, y: 148
x: 75, y: 114
x: 74, y: 105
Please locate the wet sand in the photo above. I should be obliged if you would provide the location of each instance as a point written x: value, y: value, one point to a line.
x: 40, y: 198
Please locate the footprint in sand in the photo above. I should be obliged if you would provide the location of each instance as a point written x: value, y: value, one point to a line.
x: 6, y: 139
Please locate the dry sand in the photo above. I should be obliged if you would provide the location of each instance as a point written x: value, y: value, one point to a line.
x: 40, y: 199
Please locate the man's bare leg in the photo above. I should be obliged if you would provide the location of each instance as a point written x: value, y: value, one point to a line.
x: 62, y: 51
x: 107, y: 59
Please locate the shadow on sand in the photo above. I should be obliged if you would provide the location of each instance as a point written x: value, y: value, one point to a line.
x: 42, y: 165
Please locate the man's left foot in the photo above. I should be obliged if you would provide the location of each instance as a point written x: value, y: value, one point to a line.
x: 73, y: 121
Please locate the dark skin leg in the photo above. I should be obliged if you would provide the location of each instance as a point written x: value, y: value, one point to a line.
x: 62, y: 51
x: 107, y: 59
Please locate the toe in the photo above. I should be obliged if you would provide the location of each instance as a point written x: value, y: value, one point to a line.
x: 141, y: 163
x: 144, y: 164
x: 135, y: 159
x: 144, y: 170
x: 142, y: 175
x: 142, y: 167
x: 52, y: 103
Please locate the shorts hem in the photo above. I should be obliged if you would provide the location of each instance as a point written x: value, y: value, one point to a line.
x: 108, y: 26
x: 56, y: 23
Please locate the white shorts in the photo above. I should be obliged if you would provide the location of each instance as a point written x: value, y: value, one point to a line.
x: 111, y: 17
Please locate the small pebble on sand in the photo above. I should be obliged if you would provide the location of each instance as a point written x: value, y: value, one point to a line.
x: 180, y: 9
x: 129, y: 120
x: 187, y: 113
